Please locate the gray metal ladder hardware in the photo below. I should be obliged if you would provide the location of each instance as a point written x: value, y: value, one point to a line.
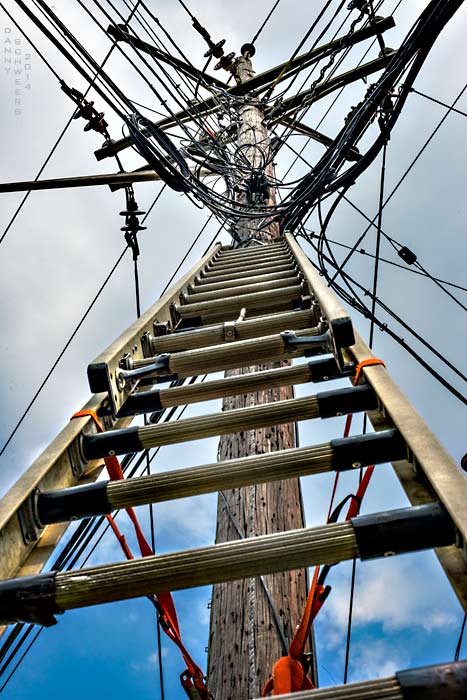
x: 236, y: 308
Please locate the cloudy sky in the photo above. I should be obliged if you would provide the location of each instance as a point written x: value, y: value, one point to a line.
x: 63, y: 244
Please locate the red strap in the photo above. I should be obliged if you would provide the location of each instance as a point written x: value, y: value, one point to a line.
x: 356, y: 500
x: 164, y: 599
x: 288, y: 676
x: 298, y: 642
x: 366, y: 363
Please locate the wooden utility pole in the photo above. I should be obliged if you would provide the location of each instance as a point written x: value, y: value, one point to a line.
x: 253, y: 620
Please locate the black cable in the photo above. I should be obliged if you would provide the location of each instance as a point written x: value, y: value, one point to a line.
x: 63, y: 350
x: 21, y: 658
x: 303, y: 41
x: 336, y: 98
x: 403, y: 177
x: 361, y: 251
x: 370, y: 344
x: 159, y: 657
x: 395, y: 244
x: 459, y: 641
x: 438, y: 102
x: 268, y: 17
x: 28, y: 39
x: 408, y: 60
x: 352, y: 301
x: 378, y: 246
x: 349, y: 620
x: 191, y: 248
x: 186, y: 9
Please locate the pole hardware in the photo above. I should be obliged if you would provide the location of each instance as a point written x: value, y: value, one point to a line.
x: 86, y: 110
x: 262, y: 81
x: 132, y: 224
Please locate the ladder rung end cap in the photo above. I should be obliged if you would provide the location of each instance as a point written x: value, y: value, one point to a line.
x: 348, y: 400
x: 447, y: 681
x: 141, y: 402
x: 342, y: 332
x: 113, y: 442
x: 404, y: 530
x: 362, y: 450
x: 323, y: 370
x: 98, y: 377
x: 74, y: 503
x: 29, y: 599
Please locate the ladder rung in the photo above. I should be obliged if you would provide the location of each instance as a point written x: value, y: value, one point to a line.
x: 159, y: 399
x: 244, y: 330
x: 220, y: 267
x: 38, y: 598
x: 323, y: 405
x: 275, y: 300
x: 238, y: 290
x: 216, y: 358
x: 229, y: 250
x: 105, y: 496
x: 440, y: 682
x: 255, y: 279
x: 263, y: 269
x: 239, y: 254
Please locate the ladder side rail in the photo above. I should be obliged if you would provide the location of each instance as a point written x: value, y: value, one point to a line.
x: 25, y: 547
x: 102, y: 372
x: 339, y: 322
x: 430, y: 473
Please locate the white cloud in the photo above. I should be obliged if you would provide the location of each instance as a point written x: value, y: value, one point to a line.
x: 400, y: 593
x: 377, y: 659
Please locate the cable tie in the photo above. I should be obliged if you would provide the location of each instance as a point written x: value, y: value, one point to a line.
x: 366, y: 363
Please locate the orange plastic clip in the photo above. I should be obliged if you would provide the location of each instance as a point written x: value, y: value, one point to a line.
x: 89, y: 412
x: 366, y: 363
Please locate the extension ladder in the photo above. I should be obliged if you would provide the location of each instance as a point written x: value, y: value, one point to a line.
x: 235, y: 308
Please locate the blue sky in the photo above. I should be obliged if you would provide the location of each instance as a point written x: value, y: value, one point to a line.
x: 61, y: 247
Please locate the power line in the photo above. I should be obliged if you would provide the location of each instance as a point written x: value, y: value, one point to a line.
x: 352, y: 300
x: 438, y: 102
x: 268, y: 17
x: 62, y: 351
x: 421, y: 270
x: 378, y: 247
x: 403, y: 177
x: 65, y: 128
x: 361, y: 251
